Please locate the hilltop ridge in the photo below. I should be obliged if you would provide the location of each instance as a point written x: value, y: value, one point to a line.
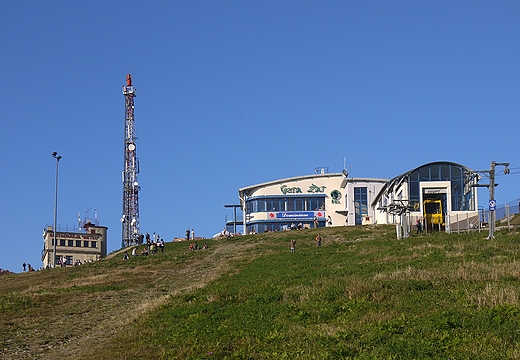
x: 362, y: 294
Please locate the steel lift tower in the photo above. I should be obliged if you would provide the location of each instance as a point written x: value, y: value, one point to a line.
x: 130, y: 218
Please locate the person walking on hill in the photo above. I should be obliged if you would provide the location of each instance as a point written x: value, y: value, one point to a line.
x: 318, y: 239
x: 293, y: 245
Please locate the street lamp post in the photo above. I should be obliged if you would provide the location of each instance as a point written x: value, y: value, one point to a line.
x: 57, y: 157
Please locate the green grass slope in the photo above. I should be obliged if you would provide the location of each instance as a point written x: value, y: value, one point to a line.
x: 361, y: 295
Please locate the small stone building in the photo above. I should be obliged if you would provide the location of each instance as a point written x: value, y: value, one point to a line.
x: 73, y: 248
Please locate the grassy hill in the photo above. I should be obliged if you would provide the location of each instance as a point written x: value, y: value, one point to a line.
x: 362, y: 294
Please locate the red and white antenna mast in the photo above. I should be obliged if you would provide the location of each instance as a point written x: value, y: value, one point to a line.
x: 130, y: 218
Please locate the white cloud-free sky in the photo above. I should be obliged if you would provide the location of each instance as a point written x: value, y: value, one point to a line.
x: 234, y: 93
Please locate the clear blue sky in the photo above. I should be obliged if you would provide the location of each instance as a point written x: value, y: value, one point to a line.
x: 234, y: 93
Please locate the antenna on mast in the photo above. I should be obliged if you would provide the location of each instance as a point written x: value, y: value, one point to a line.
x: 131, y: 188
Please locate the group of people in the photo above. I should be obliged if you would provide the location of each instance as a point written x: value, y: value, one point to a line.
x: 294, y: 227
x: 27, y: 267
x: 62, y: 261
x: 195, y: 246
x: 152, y: 246
x: 190, y: 234
x: 316, y: 224
x: 227, y: 234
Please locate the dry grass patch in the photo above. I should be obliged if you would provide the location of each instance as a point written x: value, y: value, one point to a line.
x: 495, y: 294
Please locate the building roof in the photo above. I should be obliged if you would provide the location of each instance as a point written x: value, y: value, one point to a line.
x: 253, y: 188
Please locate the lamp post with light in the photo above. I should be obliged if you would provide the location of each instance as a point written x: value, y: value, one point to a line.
x: 57, y: 157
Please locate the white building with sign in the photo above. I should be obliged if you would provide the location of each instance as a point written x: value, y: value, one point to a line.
x: 321, y: 200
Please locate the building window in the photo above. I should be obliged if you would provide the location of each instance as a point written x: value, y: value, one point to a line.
x: 456, y: 173
x: 93, y: 244
x: 424, y: 173
x: 316, y: 203
x: 62, y: 242
x: 70, y: 243
x: 68, y: 260
x: 299, y: 204
x: 259, y: 206
x: 78, y: 243
x: 435, y: 172
x: 274, y: 205
x: 85, y: 243
x: 290, y: 204
x: 445, y: 172
x: 360, y: 204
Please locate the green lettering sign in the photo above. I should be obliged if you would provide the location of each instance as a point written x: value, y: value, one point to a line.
x: 316, y: 189
x: 290, y: 190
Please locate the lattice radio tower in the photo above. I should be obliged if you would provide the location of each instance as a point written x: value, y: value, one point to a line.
x: 130, y: 218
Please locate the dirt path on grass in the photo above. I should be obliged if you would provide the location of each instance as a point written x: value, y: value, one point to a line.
x: 86, y: 328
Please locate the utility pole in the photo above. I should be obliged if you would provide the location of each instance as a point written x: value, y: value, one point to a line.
x: 491, y: 173
x: 492, y: 214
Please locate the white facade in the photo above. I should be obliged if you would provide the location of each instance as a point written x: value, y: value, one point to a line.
x: 323, y: 198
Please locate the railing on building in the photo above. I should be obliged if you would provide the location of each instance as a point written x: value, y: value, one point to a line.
x: 67, y: 229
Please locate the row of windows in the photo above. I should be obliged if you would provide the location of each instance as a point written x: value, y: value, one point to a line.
x: 462, y: 198
x: 438, y: 172
x: 77, y: 243
x: 279, y: 226
x: 286, y: 204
